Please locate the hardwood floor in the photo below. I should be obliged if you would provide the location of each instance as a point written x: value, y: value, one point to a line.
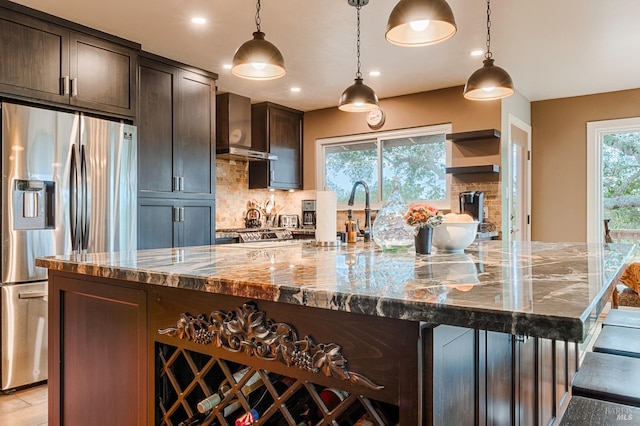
x: 25, y: 407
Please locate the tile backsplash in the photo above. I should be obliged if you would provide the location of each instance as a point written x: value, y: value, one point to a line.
x: 233, y: 193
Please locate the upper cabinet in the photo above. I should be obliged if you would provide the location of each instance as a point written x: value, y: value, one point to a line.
x: 44, y: 61
x: 278, y: 130
x: 102, y: 75
x: 175, y: 130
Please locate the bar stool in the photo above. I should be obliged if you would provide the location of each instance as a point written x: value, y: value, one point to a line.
x: 616, y: 340
x: 622, y: 318
x: 611, y: 378
x: 586, y: 411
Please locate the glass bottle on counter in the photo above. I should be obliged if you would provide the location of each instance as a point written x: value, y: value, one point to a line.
x: 390, y: 230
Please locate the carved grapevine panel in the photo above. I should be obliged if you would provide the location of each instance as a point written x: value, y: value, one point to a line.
x: 246, y: 330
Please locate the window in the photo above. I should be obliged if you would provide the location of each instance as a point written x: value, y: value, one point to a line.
x: 613, y: 171
x: 415, y: 157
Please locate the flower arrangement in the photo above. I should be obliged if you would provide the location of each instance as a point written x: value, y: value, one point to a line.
x: 423, y: 215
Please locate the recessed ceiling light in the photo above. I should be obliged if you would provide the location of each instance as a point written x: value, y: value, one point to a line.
x: 477, y: 52
x: 374, y: 73
x: 295, y: 89
x: 199, y: 20
x: 227, y: 66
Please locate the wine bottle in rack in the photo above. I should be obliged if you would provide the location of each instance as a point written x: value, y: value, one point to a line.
x: 194, y: 420
x: 261, y: 401
x: 213, y: 400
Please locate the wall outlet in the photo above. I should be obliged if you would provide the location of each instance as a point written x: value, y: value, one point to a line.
x: 485, y: 212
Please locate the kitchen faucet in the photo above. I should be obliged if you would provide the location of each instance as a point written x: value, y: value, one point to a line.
x: 368, y: 233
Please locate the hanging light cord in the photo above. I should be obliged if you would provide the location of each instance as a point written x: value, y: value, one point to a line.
x: 258, y: 15
x: 358, y: 74
x: 488, y: 55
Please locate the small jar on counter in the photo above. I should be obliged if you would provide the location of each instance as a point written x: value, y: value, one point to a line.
x: 350, y: 227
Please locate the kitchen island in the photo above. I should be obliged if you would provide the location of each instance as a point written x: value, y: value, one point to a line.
x: 488, y: 336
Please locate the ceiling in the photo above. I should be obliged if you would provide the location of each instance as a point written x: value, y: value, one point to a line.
x: 551, y: 48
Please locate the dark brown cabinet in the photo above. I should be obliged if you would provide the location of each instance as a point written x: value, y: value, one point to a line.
x: 278, y: 130
x: 502, y: 378
x: 175, y: 223
x: 175, y: 131
x: 176, y: 160
x: 45, y: 61
x: 98, y: 363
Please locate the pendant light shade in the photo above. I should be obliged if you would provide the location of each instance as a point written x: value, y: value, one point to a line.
x: 489, y: 82
x: 358, y: 97
x: 258, y: 59
x: 420, y: 23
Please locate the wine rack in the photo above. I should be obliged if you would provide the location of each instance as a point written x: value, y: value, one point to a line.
x: 185, y: 377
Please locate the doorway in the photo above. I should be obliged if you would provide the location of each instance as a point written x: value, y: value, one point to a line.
x: 518, y: 177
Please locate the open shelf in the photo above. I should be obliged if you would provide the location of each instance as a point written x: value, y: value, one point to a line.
x: 474, y: 135
x: 489, y: 168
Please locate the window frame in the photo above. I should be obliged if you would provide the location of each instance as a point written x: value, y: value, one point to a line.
x: 377, y: 138
x: 596, y: 130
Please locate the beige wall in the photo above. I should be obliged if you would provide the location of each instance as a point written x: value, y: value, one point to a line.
x: 559, y: 159
x: 420, y: 109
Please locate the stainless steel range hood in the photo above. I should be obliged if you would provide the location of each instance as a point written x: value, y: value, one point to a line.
x: 233, y: 130
x: 235, y: 153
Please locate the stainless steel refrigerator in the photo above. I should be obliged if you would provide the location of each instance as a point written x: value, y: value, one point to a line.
x: 68, y: 185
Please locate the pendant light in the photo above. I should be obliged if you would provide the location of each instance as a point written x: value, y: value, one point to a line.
x: 258, y: 59
x: 489, y: 82
x: 420, y: 23
x: 358, y: 97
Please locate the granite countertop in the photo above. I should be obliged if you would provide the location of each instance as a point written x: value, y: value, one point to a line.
x: 548, y: 290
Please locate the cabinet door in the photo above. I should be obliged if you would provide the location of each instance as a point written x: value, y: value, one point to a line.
x: 277, y: 129
x: 156, y: 225
x: 102, y: 75
x: 35, y: 57
x: 166, y: 223
x: 98, y: 357
x: 285, y: 141
x: 525, y: 380
x: 198, y: 223
x: 195, y: 117
x: 453, y: 377
x: 156, y: 131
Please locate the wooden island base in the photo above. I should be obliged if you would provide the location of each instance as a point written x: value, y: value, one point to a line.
x: 129, y: 353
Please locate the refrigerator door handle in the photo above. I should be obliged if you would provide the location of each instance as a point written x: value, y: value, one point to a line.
x: 84, y: 218
x: 73, y: 197
x: 30, y: 294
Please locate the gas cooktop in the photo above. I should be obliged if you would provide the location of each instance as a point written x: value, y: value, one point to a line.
x: 259, y: 234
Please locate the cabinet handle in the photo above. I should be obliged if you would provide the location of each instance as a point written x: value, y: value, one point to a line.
x: 65, y: 85
x: 272, y: 173
x: 181, y: 181
x: 74, y: 87
x: 176, y: 184
x: 181, y: 214
x: 176, y: 214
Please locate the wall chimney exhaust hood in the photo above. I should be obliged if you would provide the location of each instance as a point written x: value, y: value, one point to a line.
x: 233, y: 130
